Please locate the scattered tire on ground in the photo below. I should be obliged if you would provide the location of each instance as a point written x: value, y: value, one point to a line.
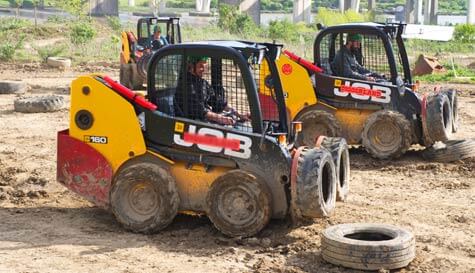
x: 314, y: 190
x: 338, y: 147
x: 439, y: 117
x: 59, y: 62
x: 41, y: 104
x: 368, y: 246
x: 451, y: 150
x: 452, y: 94
x: 12, y: 87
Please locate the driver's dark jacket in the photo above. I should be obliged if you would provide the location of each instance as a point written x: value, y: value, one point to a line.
x: 201, y: 98
x: 345, y: 65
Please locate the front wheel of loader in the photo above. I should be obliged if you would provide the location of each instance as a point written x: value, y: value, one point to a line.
x: 317, y: 123
x: 313, y: 188
x: 144, y: 197
x: 239, y: 204
x: 338, y: 148
x: 387, y: 134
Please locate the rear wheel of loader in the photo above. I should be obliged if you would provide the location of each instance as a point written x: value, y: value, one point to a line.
x: 313, y: 188
x: 317, y: 123
x: 129, y: 77
x: 387, y: 134
x: 239, y: 204
x: 439, y: 117
x: 338, y: 148
x: 452, y: 94
x: 142, y: 65
x: 144, y: 197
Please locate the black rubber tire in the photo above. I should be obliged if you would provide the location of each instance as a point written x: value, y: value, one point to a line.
x: 40, y: 104
x: 142, y: 65
x: 13, y: 87
x: 315, y: 191
x: 129, y: 77
x: 368, y: 246
x: 124, y: 75
x: 452, y: 94
x: 386, y: 134
x: 316, y: 123
x: 144, y: 197
x: 338, y: 148
x: 239, y: 204
x: 439, y: 117
x: 451, y: 150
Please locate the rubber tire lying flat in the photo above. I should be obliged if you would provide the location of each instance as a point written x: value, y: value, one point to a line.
x: 317, y: 123
x: 59, y: 62
x: 144, y: 197
x: 314, y: 193
x: 12, y: 87
x: 41, y: 104
x: 451, y: 150
x: 439, y: 117
x: 368, y: 246
x: 239, y: 204
x: 382, y: 143
x: 338, y: 148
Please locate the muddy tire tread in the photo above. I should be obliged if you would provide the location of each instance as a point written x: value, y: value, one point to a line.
x: 402, y: 123
x: 41, y: 104
x: 393, y: 253
x: 318, y: 115
x: 337, y: 146
x: 454, y: 150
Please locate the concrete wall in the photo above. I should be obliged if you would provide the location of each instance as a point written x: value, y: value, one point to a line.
x: 251, y: 7
x: 104, y: 7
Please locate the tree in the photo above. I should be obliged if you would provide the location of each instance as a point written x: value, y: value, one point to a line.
x: 18, y: 4
x: 76, y: 8
x: 35, y: 3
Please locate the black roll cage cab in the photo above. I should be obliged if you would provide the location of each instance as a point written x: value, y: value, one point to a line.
x: 173, y: 32
x: 240, y: 52
x: 386, y: 32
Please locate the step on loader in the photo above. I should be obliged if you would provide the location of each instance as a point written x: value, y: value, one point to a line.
x: 137, y: 49
x: 201, y: 141
x: 383, y: 112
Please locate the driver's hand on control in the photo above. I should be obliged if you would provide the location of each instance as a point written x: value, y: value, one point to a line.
x: 370, y: 79
x: 226, y: 120
x: 244, y: 117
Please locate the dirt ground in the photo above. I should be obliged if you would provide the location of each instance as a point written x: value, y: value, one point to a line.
x: 46, y: 228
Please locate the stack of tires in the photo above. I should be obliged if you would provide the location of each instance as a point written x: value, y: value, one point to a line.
x: 442, y: 121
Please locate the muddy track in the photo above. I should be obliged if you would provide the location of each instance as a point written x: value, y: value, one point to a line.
x: 45, y: 228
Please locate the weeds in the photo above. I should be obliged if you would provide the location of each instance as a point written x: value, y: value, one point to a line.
x: 51, y: 51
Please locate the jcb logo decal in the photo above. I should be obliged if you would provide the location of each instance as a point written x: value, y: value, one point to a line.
x: 362, y: 91
x: 96, y: 139
x: 213, y: 141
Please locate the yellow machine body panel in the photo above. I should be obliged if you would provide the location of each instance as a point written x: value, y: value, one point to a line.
x: 193, y: 184
x: 353, y: 121
x: 296, y: 85
x: 125, y: 52
x: 115, y: 131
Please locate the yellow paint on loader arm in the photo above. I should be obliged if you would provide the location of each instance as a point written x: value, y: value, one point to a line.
x: 125, y: 51
x: 296, y: 84
x: 115, y: 130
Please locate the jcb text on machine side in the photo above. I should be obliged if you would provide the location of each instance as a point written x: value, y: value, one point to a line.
x: 147, y: 160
